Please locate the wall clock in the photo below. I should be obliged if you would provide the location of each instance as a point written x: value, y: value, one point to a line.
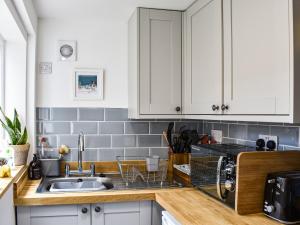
x: 67, y: 51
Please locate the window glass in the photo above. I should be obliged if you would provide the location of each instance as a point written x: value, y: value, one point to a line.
x: 2, y: 49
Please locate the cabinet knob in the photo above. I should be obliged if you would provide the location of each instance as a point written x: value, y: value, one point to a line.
x: 97, y: 209
x: 84, y: 210
x: 215, y: 107
x: 177, y: 109
x: 224, y: 107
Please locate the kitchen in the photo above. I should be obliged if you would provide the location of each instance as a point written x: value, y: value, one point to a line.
x: 146, y: 112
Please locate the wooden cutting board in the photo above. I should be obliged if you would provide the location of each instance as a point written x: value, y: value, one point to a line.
x: 252, y: 170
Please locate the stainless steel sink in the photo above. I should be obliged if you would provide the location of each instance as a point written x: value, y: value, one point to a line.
x: 78, y: 184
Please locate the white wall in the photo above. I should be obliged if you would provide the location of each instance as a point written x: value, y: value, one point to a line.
x: 100, y: 44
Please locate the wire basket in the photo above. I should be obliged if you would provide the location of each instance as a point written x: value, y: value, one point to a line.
x: 136, y: 169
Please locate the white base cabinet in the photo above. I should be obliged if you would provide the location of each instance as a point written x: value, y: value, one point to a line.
x: 121, y: 213
x: 7, y: 209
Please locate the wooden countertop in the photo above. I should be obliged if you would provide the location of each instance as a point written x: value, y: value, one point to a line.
x: 187, y: 205
x: 5, y: 183
x: 192, y: 207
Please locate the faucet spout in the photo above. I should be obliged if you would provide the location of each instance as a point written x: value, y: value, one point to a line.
x: 80, y: 150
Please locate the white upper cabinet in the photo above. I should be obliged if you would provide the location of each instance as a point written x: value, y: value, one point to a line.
x: 257, y: 57
x: 203, y: 62
x: 241, y: 56
x: 155, y: 63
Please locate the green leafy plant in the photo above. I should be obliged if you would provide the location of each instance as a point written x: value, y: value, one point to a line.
x: 14, y: 130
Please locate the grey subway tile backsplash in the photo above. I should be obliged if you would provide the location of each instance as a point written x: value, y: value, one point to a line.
x: 111, y: 127
x: 123, y: 141
x: 255, y: 130
x: 149, y: 140
x: 64, y: 114
x: 137, y: 151
x: 137, y: 128
x: 110, y: 154
x: 158, y: 127
x: 39, y: 128
x: 70, y: 140
x: 116, y: 114
x: 238, y: 131
x: 91, y: 114
x: 161, y: 152
x: 110, y: 133
x: 56, y: 127
x: 207, y: 127
x: 99, y: 141
x: 51, y: 141
x: 287, y: 135
x: 89, y: 155
x: 43, y: 113
x: 85, y: 127
x: 223, y: 127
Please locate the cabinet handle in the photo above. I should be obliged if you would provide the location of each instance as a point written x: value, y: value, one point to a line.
x: 177, y: 109
x: 215, y: 107
x: 224, y: 107
x: 84, y: 210
x: 97, y: 209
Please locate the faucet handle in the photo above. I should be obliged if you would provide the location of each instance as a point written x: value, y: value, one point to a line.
x: 93, y: 169
x: 67, y: 170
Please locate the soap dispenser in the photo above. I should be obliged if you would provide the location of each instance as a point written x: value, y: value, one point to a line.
x: 35, y: 171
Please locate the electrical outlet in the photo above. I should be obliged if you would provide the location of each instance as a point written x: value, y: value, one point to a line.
x: 217, y: 135
x: 267, y: 138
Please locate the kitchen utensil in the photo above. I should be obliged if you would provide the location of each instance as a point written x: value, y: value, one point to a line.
x: 50, y: 167
x: 169, y: 134
x: 152, y: 163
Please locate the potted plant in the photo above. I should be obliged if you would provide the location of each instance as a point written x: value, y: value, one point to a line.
x: 17, y: 136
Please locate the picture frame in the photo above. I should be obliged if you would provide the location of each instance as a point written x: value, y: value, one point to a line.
x: 88, y: 84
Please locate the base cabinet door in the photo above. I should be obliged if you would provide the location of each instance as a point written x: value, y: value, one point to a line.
x: 54, y: 215
x: 125, y: 213
x: 119, y: 213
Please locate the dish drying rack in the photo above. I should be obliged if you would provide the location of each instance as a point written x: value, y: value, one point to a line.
x: 135, y: 169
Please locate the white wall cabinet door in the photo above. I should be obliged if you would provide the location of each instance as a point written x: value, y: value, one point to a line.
x: 125, y: 213
x: 54, y: 215
x: 257, y: 56
x: 160, y: 61
x: 203, y: 77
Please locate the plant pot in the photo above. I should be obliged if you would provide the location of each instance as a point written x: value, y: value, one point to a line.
x: 20, y: 154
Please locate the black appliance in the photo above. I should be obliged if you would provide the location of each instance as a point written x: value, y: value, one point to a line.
x: 213, y: 169
x: 282, y: 197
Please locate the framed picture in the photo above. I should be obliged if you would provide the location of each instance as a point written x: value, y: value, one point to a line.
x: 88, y: 84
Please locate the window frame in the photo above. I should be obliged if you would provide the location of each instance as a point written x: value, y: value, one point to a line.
x: 2, y: 78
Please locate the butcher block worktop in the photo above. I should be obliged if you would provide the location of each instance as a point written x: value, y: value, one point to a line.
x: 5, y: 183
x: 189, y: 206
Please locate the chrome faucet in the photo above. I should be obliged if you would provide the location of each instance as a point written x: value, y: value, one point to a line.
x: 80, y: 150
x: 80, y: 170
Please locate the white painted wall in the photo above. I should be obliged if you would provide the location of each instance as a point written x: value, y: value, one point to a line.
x: 100, y: 44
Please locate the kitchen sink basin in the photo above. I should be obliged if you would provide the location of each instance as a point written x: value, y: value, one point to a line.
x: 78, y: 184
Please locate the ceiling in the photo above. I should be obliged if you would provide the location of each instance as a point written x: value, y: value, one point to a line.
x: 104, y: 9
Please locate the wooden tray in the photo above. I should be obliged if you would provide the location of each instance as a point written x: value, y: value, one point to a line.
x: 252, y: 170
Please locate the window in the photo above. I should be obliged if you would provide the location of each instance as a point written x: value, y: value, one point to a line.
x: 2, y: 85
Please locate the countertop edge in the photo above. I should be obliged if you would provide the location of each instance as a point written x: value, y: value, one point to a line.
x: 5, y: 183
